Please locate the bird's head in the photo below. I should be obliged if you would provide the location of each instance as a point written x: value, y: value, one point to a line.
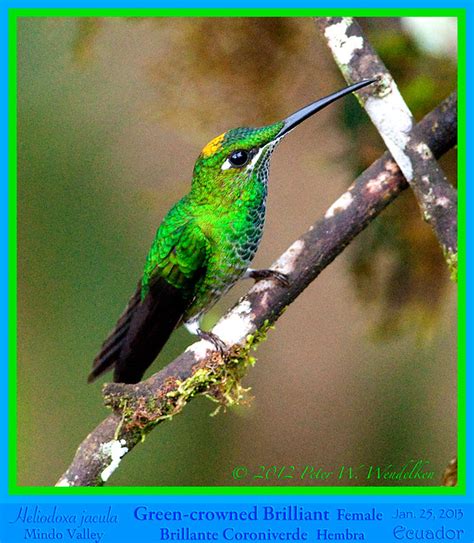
x: 229, y: 161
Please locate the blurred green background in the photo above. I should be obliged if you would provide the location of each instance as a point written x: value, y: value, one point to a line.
x: 112, y: 113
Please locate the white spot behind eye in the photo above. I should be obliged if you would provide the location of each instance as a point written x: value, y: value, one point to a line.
x: 226, y: 165
x: 255, y: 158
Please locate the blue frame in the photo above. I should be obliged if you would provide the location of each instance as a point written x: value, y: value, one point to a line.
x: 128, y: 526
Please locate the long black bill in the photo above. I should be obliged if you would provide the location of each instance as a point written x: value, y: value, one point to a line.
x: 305, y: 112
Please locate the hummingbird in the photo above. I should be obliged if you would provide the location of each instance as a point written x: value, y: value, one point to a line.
x: 203, y: 246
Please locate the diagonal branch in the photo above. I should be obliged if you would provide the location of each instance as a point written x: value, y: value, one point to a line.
x: 139, y: 408
x: 391, y: 116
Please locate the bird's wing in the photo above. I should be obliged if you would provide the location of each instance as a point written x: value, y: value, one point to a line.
x: 175, y: 263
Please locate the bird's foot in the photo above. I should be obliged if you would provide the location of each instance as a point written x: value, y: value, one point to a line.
x: 220, y: 346
x: 259, y: 275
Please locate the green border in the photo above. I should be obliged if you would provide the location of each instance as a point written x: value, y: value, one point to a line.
x: 13, y: 489
x: 12, y: 252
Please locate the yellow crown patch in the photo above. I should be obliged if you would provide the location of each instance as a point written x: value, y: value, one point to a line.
x: 213, y: 146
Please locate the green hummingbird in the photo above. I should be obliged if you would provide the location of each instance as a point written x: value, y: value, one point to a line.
x: 203, y: 246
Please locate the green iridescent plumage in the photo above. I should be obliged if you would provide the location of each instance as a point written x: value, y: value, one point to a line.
x: 203, y: 246
x: 208, y: 238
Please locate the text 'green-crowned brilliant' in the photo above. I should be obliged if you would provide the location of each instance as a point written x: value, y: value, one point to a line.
x: 203, y: 246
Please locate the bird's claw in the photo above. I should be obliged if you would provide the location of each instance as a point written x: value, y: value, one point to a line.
x: 282, y: 278
x: 219, y: 345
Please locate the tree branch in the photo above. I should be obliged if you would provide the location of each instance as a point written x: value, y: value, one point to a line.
x: 450, y: 475
x: 139, y: 408
x: 391, y: 116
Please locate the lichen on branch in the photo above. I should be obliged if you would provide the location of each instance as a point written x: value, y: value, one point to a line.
x: 389, y: 113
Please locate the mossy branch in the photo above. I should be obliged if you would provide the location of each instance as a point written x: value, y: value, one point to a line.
x: 217, y: 376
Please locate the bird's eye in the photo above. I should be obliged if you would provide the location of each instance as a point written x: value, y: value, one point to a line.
x: 239, y: 158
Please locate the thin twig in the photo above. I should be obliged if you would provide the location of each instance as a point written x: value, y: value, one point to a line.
x: 139, y: 408
x: 391, y: 116
x: 450, y: 475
